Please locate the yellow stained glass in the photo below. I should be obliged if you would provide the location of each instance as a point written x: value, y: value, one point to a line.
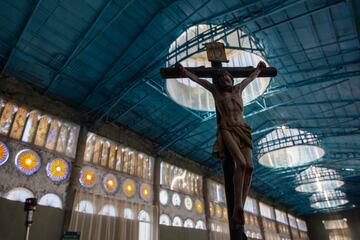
x: 146, y: 192
x: 6, y: 117
x: 225, y: 213
x: 57, y: 169
x: 199, y: 206
x: 52, y: 135
x: 62, y: 140
x: 110, y: 183
x: 104, y: 153
x: 88, y: 177
x: 112, y: 156
x: 42, y: 131
x: 27, y: 161
x: 31, y: 126
x: 129, y: 187
x: 19, y: 123
x: 218, y: 211
x: 211, y: 209
x: 97, y: 149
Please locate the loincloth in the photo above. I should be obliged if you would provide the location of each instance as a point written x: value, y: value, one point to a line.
x: 241, y: 135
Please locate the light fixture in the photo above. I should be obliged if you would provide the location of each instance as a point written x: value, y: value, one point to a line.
x: 328, y: 199
x: 289, y: 147
x: 315, y: 179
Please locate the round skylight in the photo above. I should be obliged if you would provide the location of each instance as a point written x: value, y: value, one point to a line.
x: 287, y: 147
x: 328, y: 199
x: 315, y: 179
x: 191, y: 95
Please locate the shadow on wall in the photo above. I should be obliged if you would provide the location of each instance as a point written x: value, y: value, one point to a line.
x: 47, y: 224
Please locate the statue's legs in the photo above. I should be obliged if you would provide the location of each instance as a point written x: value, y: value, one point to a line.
x: 247, y: 152
x: 239, y: 174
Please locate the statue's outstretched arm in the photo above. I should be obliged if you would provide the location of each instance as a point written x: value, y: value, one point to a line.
x: 261, y: 65
x: 202, y: 82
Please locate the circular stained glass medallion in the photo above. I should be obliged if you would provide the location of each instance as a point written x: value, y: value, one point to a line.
x: 146, y: 193
x: 177, y: 222
x: 129, y: 187
x: 176, y: 200
x: 218, y: 211
x: 110, y: 183
x: 27, y: 161
x: 4, y: 153
x: 87, y: 177
x: 188, y: 203
x: 57, y: 169
x: 165, y: 220
x: 199, y: 206
x: 164, y: 197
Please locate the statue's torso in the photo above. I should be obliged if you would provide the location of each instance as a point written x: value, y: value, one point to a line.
x: 230, y: 106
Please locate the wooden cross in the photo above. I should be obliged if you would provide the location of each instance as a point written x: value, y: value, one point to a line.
x: 216, y: 55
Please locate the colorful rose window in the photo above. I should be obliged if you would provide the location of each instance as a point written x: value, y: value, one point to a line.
x: 4, y: 153
x: 57, y: 169
x: 87, y: 177
x: 146, y: 192
x: 218, y: 211
x: 199, y: 206
x: 129, y: 187
x: 110, y: 183
x: 27, y: 161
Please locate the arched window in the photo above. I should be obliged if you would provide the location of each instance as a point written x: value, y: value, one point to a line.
x: 19, y: 194
x: 177, y: 222
x: 164, y: 220
x: 200, y: 225
x: 128, y: 213
x: 144, y: 225
x: 108, y: 210
x: 85, y: 206
x: 51, y: 200
x: 189, y: 223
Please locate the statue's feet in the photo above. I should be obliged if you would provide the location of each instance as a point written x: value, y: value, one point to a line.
x: 237, y: 220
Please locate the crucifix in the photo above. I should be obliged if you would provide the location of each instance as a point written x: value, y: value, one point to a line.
x: 233, y: 145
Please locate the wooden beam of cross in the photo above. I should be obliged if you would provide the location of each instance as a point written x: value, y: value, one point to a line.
x: 216, y: 55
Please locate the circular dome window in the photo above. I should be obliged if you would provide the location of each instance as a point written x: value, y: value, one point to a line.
x: 191, y: 95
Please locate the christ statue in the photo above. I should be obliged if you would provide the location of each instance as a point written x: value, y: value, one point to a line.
x: 233, y: 144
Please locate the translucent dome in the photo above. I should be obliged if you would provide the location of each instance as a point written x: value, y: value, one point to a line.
x: 328, y: 199
x: 315, y: 179
x: 190, y: 94
x: 286, y: 147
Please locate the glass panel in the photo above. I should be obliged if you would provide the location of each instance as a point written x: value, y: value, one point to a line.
x: 89, y: 149
x: 126, y: 160
x: 63, y: 135
x: 139, y: 165
x: 72, y: 141
x: 53, y: 135
x: 133, y: 156
x: 266, y: 210
x: 97, y: 149
x: 42, y: 131
x: 104, y: 153
x: 119, y: 158
x: 6, y: 117
x: 31, y: 126
x: 19, y: 123
x: 112, y: 155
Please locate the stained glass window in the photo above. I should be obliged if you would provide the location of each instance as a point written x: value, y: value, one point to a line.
x: 128, y: 213
x: 85, y: 206
x: 19, y: 194
x: 31, y: 126
x: 51, y: 200
x: 104, y: 152
x: 179, y: 179
x: 108, y: 210
x: 144, y: 225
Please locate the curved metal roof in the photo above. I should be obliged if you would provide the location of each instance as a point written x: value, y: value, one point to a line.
x: 104, y: 57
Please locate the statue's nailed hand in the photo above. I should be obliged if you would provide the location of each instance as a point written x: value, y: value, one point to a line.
x: 180, y: 68
x: 261, y: 65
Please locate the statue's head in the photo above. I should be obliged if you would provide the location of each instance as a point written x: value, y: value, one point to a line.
x: 223, y: 80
